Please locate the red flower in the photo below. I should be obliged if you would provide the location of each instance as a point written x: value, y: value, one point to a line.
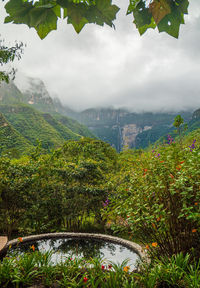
x: 109, y: 266
x: 85, y: 279
x: 102, y: 267
x: 20, y: 239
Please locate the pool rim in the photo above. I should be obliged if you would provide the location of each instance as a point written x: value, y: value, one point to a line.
x: 113, y: 239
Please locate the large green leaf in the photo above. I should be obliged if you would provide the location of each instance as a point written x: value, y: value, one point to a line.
x: 19, y: 12
x: 171, y: 23
x: 142, y: 15
x: 144, y: 28
x: 133, y: 4
x: 182, y: 6
x: 41, y: 16
x: 98, y: 12
x: 107, y: 11
x: 44, y: 21
x: 76, y: 16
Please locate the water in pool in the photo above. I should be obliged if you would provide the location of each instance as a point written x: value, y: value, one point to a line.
x: 63, y: 248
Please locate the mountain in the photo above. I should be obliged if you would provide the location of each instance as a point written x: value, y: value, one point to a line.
x: 36, y: 95
x: 32, y: 125
x: 10, y: 94
x: 11, y: 140
x: 22, y: 125
x: 75, y: 126
x: 195, y: 121
x: 120, y: 127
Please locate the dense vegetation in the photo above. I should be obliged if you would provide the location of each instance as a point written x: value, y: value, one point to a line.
x: 22, y: 126
x: 30, y: 125
x: 151, y: 197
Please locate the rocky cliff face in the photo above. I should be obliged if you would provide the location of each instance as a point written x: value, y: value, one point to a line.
x: 196, y: 114
x: 37, y: 95
x: 130, y: 133
x: 122, y: 128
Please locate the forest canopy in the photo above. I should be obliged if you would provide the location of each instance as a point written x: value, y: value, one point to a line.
x: 166, y: 15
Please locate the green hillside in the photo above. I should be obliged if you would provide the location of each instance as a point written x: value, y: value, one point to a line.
x: 36, y: 101
x: 74, y: 125
x: 11, y: 140
x: 10, y: 94
x: 195, y: 122
x: 64, y: 131
x: 32, y: 125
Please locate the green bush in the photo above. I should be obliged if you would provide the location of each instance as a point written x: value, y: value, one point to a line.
x: 156, y: 198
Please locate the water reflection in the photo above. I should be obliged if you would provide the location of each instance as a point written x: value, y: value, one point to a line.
x: 63, y: 248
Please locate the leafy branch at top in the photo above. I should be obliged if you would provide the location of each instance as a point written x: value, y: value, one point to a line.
x: 9, y: 54
x: 166, y: 15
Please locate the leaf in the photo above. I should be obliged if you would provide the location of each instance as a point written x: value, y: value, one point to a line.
x: 182, y: 6
x: 142, y: 16
x: 102, y: 12
x: 19, y: 11
x: 57, y: 10
x: 171, y: 23
x: 159, y: 9
x: 43, y: 20
x: 132, y: 6
x: 144, y: 28
x: 76, y: 13
x: 76, y: 17
x: 80, y: 14
x: 63, y: 3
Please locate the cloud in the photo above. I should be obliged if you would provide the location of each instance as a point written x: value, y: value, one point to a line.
x: 106, y: 67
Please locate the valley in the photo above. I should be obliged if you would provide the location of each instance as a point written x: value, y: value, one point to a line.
x: 35, y: 115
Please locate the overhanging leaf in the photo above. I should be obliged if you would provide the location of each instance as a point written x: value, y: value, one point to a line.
x: 44, y: 21
x: 76, y: 16
x: 19, y: 11
x: 159, y: 9
x: 171, y: 23
x: 103, y: 12
x: 107, y: 10
x: 142, y: 15
x: 182, y: 6
x: 133, y: 4
x: 144, y: 28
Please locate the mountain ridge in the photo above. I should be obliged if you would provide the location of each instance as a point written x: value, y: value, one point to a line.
x: 31, y: 125
x: 118, y: 127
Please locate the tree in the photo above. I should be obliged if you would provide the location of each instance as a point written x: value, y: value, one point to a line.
x: 166, y: 15
x: 8, y: 54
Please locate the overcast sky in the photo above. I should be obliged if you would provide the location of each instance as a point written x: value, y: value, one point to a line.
x: 106, y: 67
